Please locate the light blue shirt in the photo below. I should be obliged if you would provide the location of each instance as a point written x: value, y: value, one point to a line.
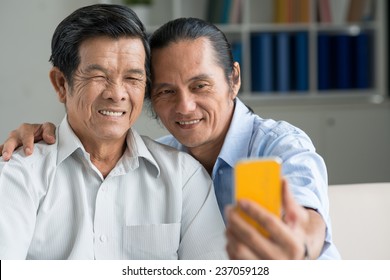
x: 157, y: 203
x: 251, y: 136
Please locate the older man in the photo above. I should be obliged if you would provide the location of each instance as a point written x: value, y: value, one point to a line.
x: 103, y: 191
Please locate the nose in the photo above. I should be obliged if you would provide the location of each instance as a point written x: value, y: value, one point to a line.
x: 185, y: 103
x: 116, y: 92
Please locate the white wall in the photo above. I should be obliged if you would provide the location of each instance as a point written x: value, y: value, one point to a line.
x: 26, y: 28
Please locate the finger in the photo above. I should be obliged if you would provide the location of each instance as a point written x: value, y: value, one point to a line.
x: 48, y: 133
x: 28, y: 133
x: 285, y: 244
x: 266, y: 219
x: 237, y: 250
x: 10, y: 145
x: 248, y: 235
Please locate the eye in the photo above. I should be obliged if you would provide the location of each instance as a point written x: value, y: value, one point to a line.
x: 98, y: 78
x: 160, y: 93
x: 200, y: 86
x: 167, y: 91
x: 132, y: 78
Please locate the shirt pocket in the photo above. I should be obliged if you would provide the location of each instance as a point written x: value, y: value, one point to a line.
x: 155, y: 241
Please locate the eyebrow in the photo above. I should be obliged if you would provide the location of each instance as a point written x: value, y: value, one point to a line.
x: 199, y: 77
x: 92, y: 67
x: 192, y: 79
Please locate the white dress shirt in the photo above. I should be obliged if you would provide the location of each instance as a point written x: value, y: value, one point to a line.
x: 157, y: 203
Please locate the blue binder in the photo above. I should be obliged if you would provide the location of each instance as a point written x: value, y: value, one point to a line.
x: 283, y: 57
x: 262, y: 65
x: 343, y: 61
x: 301, y: 67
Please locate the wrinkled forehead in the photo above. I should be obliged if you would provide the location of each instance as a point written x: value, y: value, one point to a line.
x: 124, y: 50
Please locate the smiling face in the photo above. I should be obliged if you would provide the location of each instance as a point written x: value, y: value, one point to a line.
x: 108, y: 89
x: 190, y: 93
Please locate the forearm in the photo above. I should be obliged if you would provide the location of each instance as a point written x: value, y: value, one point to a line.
x: 315, y: 234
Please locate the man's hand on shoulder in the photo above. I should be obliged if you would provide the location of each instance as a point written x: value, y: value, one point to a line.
x: 26, y: 135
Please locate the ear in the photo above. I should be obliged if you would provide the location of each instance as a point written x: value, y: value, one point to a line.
x: 236, y: 79
x: 58, y: 81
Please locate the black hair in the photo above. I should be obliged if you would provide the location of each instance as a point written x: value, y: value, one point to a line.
x: 191, y: 29
x: 114, y: 21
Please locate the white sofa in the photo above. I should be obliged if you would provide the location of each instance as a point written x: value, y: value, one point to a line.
x: 360, y: 216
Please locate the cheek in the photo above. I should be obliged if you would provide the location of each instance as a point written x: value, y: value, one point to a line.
x: 165, y: 111
x: 157, y: 108
x: 136, y: 104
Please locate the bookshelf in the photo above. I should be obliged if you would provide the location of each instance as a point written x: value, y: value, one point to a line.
x: 349, y: 127
x: 314, y: 58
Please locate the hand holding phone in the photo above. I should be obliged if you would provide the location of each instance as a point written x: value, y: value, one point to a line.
x: 259, y: 180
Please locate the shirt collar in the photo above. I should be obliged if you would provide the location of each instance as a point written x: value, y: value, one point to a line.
x: 68, y: 143
x: 136, y: 148
x: 238, y: 137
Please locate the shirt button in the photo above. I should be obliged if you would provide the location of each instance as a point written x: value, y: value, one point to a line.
x: 103, y: 238
x: 220, y: 172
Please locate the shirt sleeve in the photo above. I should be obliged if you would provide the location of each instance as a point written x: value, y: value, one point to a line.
x: 202, y: 225
x: 17, y: 210
x: 304, y: 169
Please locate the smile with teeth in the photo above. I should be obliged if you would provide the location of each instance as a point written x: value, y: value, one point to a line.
x: 189, y: 122
x: 111, y: 113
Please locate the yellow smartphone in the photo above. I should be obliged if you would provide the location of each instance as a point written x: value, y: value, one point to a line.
x: 259, y: 180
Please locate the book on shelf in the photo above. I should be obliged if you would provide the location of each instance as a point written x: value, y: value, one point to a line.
x: 345, y: 11
x: 283, y: 60
x: 356, y: 10
x: 214, y: 9
x: 225, y: 11
x: 262, y: 64
x: 300, y: 61
x: 344, y: 61
x: 362, y: 57
x: 235, y: 15
x: 280, y: 62
x: 303, y: 7
x: 291, y: 11
x: 226, y: 7
x: 324, y: 13
x: 282, y: 11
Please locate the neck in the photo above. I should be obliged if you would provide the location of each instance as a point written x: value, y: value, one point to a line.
x: 207, y: 156
x: 106, y: 156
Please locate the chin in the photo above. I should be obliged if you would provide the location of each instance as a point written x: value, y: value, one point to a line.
x: 190, y: 143
x: 113, y: 135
